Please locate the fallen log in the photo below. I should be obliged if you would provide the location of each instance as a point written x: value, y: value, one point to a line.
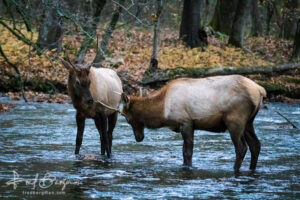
x: 161, y: 76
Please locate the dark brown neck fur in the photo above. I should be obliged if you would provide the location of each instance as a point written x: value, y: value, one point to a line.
x: 80, y: 107
x: 150, y: 110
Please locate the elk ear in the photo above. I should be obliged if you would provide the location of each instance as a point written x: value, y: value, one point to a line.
x: 87, y: 70
x: 67, y: 64
x: 125, y: 100
x: 88, y: 67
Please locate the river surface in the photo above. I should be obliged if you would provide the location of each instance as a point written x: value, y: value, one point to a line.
x: 37, y: 161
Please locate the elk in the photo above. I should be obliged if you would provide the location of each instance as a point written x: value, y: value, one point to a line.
x: 95, y: 93
x: 213, y: 104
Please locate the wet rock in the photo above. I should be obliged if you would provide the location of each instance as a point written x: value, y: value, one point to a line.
x: 5, y: 107
x: 26, y: 107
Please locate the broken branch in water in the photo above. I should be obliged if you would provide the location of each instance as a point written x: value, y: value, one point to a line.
x: 294, y: 126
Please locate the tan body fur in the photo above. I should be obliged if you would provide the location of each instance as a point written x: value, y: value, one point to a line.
x: 90, y: 89
x: 207, y: 102
x: 106, y: 87
x: 214, y: 104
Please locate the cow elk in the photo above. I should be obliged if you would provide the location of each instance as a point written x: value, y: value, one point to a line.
x: 93, y: 92
x: 213, y: 104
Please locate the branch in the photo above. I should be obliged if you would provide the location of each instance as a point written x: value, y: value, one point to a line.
x: 131, y: 14
x: 92, y: 28
x: 24, y: 39
x: 23, y: 15
x: 107, y: 35
x: 169, y: 74
x: 157, y: 19
x: 294, y: 126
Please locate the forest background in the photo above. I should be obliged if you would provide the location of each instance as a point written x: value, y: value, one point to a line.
x: 148, y: 42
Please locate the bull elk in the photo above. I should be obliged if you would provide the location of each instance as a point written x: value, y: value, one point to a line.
x: 93, y: 92
x: 213, y: 104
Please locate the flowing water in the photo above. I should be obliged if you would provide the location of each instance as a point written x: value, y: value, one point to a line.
x: 37, y: 160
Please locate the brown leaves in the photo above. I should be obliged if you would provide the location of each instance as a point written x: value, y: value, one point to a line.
x: 30, y: 64
x: 129, y: 51
x: 40, y: 97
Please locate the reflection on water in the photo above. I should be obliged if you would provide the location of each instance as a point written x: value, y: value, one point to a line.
x: 37, y: 141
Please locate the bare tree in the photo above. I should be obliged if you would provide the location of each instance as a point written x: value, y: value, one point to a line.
x: 236, y: 37
x: 100, y: 56
x: 157, y: 20
x: 256, y: 28
x: 51, y: 30
x: 296, y: 49
x: 190, y: 31
x: 290, y: 16
x: 224, y: 15
x: 97, y: 6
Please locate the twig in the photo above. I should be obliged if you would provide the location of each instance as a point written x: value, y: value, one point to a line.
x: 131, y: 14
x: 294, y: 126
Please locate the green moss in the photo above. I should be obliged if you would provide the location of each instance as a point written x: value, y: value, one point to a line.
x: 273, y: 87
x: 292, y: 80
x: 188, y: 72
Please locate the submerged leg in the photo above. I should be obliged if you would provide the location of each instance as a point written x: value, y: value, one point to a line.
x: 80, y: 121
x: 101, y: 124
x: 187, y: 132
x: 254, y: 145
x: 237, y: 136
x: 112, y: 120
x: 97, y: 121
x: 240, y: 151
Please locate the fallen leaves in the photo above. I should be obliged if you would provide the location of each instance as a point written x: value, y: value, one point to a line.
x: 32, y: 96
x: 129, y: 52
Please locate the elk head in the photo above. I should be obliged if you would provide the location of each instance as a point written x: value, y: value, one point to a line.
x: 79, y: 84
x: 129, y: 112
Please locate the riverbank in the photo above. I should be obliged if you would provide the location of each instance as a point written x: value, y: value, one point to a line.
x: 129, y: 54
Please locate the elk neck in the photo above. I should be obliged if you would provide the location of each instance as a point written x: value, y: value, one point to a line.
x: 150, y: 110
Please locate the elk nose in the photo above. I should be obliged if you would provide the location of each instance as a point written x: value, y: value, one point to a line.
x: 90, y: 101
x: 140, y: 138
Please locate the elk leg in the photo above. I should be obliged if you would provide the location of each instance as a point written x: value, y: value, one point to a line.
x: 80, y: 121
x: 240, y: 150
x: 187, y: 132
x: 97, y: 121
x: 101, y: 124
x: 112, y: 120
x: 254, y: 145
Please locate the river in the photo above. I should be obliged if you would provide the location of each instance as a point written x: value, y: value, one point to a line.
x: 37, y: 161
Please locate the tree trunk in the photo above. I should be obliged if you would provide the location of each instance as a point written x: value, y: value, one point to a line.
x: 290, y: 16
x: 190, y: 23
x: 270, y: 13
x: 256, y: 28
x: 98, y: 6
x: 296, y: 50
x: 224, y: 15
x: 236, y: 37
x: 157, y: 19
x: 100, y: 56
x: 207, y: 11
x: 51, y: 31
